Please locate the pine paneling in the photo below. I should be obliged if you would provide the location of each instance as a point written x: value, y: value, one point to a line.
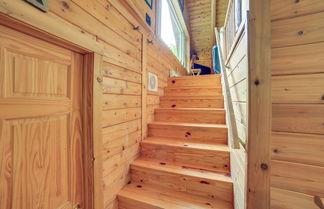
x: 297, y: 165
x: 107, y: 28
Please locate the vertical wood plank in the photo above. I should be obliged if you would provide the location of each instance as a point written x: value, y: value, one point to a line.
x: 87, y: 130
x: 97, y: 131
x: 259, y: 130
x: 144, y: 86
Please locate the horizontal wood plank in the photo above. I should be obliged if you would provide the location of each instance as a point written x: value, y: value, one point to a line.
x: 298, y: 177
x: 298, y: 118
x: 307, y: 88
x: 299, y: 148
x: 299, y: 30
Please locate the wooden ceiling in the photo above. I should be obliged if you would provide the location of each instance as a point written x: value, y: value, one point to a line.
x: 203, y: 16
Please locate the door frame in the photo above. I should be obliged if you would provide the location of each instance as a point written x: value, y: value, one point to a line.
x: 91, y: 101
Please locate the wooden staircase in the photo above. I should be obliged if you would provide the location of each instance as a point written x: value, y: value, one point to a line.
x: 185, y: 160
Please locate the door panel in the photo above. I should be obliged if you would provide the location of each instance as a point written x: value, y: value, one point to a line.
x: 40, y: 124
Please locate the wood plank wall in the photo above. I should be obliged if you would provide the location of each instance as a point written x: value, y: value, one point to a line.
x: 143, y: 9
x: 237, y: 72
x: 297, y: 155
x: 235, y: 45
x: 107, y: 28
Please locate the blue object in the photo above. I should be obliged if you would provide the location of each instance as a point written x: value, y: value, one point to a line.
x: 149, y: 3
x: 204, y: 70
x: 148, y: 19
x: 216, y: 61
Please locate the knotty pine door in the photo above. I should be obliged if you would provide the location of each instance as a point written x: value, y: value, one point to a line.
x: 40, y: 124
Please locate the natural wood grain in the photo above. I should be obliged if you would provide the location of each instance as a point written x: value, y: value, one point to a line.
x: 297, y: 177
x: 49, y: 136
x: 105, y: 27
x: 189, y: 131
x: 144, y: 87
x: 308, y: 89
x: 199, y: 91
x: 192, y: 181
x: 192, y: 115
x: 192, y: 102
x: 298, y: 59
x: 142, y: 196
x: 206, y: 80
x: 299, y: 30
x: 97, y: 136
x: 288, y: 9
x: 285, y: 199
x: 299, y: 148
x: 291, y: 118
x: 212, y: 157
x: 259, y: 112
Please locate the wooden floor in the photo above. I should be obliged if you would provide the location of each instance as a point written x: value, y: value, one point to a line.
x: 184, y: 161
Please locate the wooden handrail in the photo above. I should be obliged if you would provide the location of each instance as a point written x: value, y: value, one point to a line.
x: 230, y: 117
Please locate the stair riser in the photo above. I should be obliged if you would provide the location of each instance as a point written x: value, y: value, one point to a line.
x: 128, y: 203
x: 204, y: 134
x: 210, y: 117
x: 191, y: 81
x: 188, y: 157
x: 188, y: 184
x: 192, y: 103
x: 193, y: 92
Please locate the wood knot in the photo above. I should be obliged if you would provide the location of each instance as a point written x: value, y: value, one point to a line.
x: 204, y: 182
x: 275, y: 150
x: 297, y: 1
x: 162, y: 163
x: 318, y: 202
x: 173, y: 81
x: 65, y: 5
x: 187, y: 134
x: 139, y: 186
x: 174, y: 105
x: 264, y: 166
x: 322, y: 97
x: 256, y: 82
x: 300, y: 32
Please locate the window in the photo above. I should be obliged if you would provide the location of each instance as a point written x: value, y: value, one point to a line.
x: 238, y: 13
x: 171, y: 31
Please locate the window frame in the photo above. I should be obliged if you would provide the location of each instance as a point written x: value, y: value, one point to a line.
x: 177, y: 17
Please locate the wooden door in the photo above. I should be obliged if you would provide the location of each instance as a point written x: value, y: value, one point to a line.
x: 40, y: 124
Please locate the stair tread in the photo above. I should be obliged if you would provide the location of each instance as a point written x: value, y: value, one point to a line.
x: 193, y: 97
x: 193, y: 87
x: 167, y: 199
x: 189, y: 109
x: 203, y: 125
x: 185, y: 144
x: 170, y: 167
x: 196, y: 77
